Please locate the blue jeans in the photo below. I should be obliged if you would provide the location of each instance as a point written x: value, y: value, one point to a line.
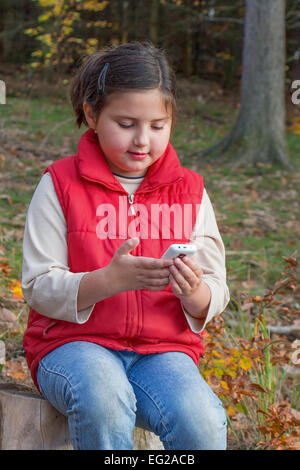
x: 105, y: 393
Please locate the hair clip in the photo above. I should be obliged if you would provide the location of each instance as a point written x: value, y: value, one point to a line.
x: 101, y: 79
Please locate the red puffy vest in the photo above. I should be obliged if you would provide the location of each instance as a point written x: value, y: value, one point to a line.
x: 100, y: 216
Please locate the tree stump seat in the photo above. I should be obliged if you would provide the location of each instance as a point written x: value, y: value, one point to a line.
x: 29, y: 422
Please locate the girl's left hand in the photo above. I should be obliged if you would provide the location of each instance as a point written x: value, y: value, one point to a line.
x: 185, y: 277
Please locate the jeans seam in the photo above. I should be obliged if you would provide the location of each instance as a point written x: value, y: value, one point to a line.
x: 60, y: 374
x: 146, y: 390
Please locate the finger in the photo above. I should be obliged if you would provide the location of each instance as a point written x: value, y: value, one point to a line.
x: 188, y: 261
x: 189, y: 275
x: 174, y: 285
x: 157, y: 284
x: 157, y: 273
x: 147, y: 278
x: 153, y: 263
x: 183, y: 284
x: 145, y: 282
x: 128, y: 246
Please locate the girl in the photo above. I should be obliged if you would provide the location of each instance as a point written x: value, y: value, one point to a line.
x: 114, y: 332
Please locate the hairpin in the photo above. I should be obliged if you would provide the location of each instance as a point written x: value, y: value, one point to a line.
x: 101, y: 79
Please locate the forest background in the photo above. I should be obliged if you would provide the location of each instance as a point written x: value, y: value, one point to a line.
x: 253, y: 350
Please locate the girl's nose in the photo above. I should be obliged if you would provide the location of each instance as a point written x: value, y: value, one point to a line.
x: 141, y: 138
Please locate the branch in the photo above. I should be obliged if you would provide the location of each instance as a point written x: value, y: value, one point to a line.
x: 56, y: 126
x: 212, y: 19
x: 277, y: 329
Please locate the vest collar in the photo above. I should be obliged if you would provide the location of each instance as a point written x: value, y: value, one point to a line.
x: 93, y: 166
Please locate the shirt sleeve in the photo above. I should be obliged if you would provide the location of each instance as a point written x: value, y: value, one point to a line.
x: 48, y: 285
x: 210, y: 257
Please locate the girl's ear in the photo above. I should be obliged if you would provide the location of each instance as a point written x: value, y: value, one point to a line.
x: 89, y: 115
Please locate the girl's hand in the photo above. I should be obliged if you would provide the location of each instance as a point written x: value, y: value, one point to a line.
x: 129, y: 272
x: 185, y: 276
x: 187, y: 284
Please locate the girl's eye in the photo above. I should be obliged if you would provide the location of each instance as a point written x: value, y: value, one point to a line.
x: 125, y: 126
x: 128, y: 126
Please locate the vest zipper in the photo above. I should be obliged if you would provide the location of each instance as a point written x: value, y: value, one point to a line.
x: 130, y: 199
x: 131, y: 294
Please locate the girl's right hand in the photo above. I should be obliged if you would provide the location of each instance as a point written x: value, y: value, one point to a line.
x: 130, y: 272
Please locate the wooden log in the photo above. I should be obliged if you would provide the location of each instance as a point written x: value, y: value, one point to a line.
x: 29, y: 422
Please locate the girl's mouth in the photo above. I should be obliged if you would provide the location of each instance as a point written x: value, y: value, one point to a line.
x: 138, y: 156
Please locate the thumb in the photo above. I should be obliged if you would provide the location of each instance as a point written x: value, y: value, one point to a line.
x: 128, y: 246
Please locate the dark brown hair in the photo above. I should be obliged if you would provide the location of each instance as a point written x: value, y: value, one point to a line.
x: 131, y: 67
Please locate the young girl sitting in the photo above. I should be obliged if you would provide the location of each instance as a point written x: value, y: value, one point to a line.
x: 114, y: 331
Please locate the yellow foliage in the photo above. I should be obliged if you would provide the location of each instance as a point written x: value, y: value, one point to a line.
x: 64, y: 13
x: 232, y: 371
x: 100, y: 24
x: 94, y: 5
x: 31, y: 31
x: 216, y: 353
x: 66, y: 30
x: 51, y: 3
x: 37, y: 53
x: 224, y: 55
x: 224, y: 384
x: 235, y: 352
x: 230, y: 411
x: 16, y: 289
x: 46, y: 39
x: 45, y: 16
x: 92, y: 41
x: 34, y: 65
x: 245, y: 363
x: 57, y: 10
x: 295, y: 128
x: 76, y: 40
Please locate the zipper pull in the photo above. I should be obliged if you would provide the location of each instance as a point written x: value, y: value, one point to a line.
x: 130, y: 199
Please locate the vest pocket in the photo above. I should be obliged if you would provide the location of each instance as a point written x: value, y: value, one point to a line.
x: 43, y: 325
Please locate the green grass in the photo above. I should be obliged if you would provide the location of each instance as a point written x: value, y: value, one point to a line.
x: 43, y: 121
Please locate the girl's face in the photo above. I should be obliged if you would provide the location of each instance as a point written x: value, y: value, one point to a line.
x: 133, y: 130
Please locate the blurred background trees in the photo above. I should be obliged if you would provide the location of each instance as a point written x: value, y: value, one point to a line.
x: 203, y: 37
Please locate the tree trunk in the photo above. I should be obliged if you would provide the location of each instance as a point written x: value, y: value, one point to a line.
x: 28, y: 422
x: 259, y: 132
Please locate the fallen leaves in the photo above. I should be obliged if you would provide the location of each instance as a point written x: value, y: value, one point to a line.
x: 280, y: 428
x: 16, y: 370
x: 250, y: 375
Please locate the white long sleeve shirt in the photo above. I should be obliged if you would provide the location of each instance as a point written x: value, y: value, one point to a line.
x: 51, y: 289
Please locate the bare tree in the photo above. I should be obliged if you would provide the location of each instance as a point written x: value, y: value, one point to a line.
x: 259, y: 132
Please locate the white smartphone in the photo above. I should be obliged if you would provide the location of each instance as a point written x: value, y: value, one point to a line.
x: 179, y: 249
